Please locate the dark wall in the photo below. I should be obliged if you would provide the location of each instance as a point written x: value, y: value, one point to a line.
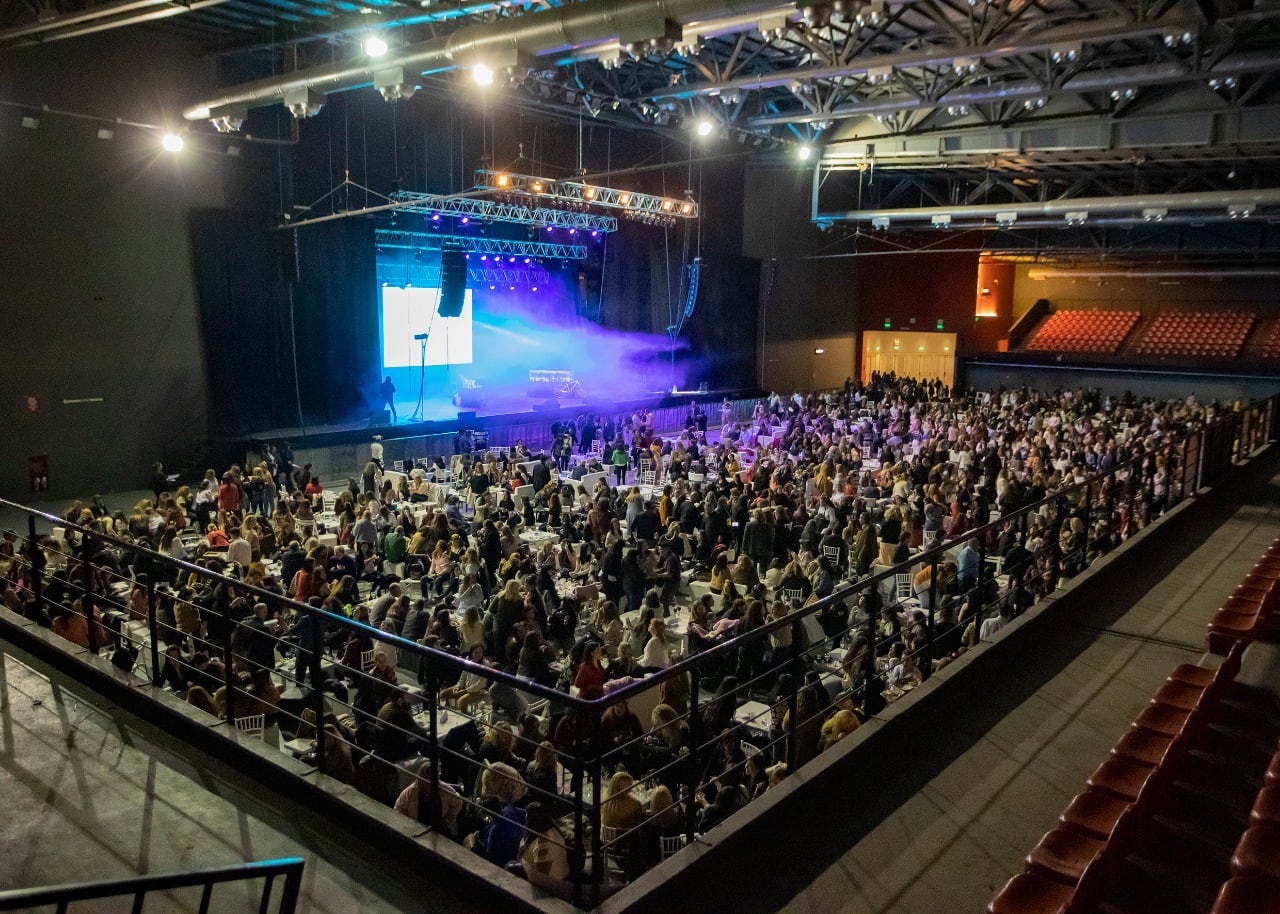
x: 98, y: 293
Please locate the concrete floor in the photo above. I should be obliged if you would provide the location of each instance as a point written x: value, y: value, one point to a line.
x: 83, y: 800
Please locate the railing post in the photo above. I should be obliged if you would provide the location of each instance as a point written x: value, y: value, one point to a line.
x: 579, y: 839
x: 317, y: 698
x: 36, y: 558
x: 153, y: 626
x: 229, y: 675
x: 433, y: 724
x: 796, y: 669
x: 927, y: 670
x: 86, y: 601
x: 691, y: 767
x: 873, y: 646
x: 597, y: 797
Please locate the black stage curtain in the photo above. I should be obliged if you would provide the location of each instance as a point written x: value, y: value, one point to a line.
x: 261, y: 294
x: 722, y: 331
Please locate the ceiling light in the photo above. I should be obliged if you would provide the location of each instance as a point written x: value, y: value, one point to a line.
x: 375, y: 46
x: 1077, y: 217
x: 172, y: 142
x: 1240, y: 210
x: 819, y: 351
x: 1154, y: 214
x: 942, y: 221
x: 704, y: 127
x: 482, y: 75
x: 106, y: 133
x: 880, y: 223
x: 30, y: 121
x: 803, y: 152
x: 1006, y: 218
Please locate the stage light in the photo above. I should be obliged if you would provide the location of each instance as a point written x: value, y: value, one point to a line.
x: 511, y: 288
x: 172, y: 142
x: 375, y: 46
x: 595, y: 234
x: 589, y: 193
x: 526, y: 261
x: 492, y: 287
x: 624, y: 199
x: 484, y: 257
x: 482, y: 75
x: 502, y: 180
x: 465, y: 220
x: 705, y: 127
x: 573, y: 231
x: 551, y: 228
x: 803, y: 152
x: 535, y: 288
x: 435, y: 217
x: 385, y: 284
x: 511, y: 260
x: 537, y: 187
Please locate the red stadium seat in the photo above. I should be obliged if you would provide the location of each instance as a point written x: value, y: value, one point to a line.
x: 1248, y: 895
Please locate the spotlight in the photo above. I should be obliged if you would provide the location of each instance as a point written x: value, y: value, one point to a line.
x: 435, y: 217
x: 172, y: 142
x: 535, y: 289
x: 375, y: 46
x: 502, y: 180
x: 594, y: 234
x: 624, y: 199
x: 704, y: 127
x: 106, y: 133
x: 511, y: 288
x: 465, y: 220
x: 573, y: 231
x: 526, y: 261
x: 551, y: 228
x: 803, y: 152
x: 484, y: 257
x: 589, y: 193
x: 482, y: 75
x: 30, y: 121
x: 511, y: 260
x: 537, y: 187
x: 492, y: 287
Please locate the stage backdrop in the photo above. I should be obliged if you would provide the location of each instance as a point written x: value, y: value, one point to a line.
x: 290, y: 333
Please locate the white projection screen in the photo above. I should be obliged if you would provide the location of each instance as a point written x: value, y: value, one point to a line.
x: 408, y: 312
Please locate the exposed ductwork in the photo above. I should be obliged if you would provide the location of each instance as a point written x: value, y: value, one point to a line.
x: 101, y: 19
x: 1154, y: 208
x: 1209, y: 273
x: 509, y: 42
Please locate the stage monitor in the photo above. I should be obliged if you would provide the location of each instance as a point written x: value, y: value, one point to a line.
x: 407, y: 313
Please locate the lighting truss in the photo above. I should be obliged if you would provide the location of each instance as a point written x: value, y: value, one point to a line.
x: 500, y: 247
x: 576, y: 193
x: 491, y: 211
x: 509, y: 277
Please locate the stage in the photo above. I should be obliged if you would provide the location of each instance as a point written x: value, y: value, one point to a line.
x: 337, y: 452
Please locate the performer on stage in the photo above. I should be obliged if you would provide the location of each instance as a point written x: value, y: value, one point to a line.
x: 388, y: 391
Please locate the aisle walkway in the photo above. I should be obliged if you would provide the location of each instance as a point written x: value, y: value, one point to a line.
x: 951, y: 845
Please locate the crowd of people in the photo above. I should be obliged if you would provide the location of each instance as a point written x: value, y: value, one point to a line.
x: 771, y: 514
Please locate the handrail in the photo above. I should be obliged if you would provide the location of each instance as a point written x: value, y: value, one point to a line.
x: 288, y: 867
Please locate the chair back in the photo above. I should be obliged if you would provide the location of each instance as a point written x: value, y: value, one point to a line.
x: 251, y: 723
x: 670, y: 844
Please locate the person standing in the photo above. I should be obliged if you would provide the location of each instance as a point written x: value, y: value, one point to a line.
x: 375, y: 453
x: 388, y: 391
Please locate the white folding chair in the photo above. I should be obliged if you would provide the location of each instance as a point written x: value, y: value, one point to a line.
x: 930, y: 538
x: 366, y: 660
x: 615, y: 850
x: 671, y: 843
x: 398, y: 466
x: 790, y: 594
x: 832, y: 554
x: 902, y: 586
x: 251, y: 723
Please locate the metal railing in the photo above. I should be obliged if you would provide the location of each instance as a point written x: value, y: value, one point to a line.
x: 60, y: 897
x: 775, y: 686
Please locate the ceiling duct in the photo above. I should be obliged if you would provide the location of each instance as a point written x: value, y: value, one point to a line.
x: 549, y: 31
x: 1212, y: 205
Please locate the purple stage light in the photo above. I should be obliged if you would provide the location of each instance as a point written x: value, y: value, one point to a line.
x: 465, y: 219
x: 484, y: 256
x: 595, y: 233
x: 573, y: 231
x: 512, y: 288
x: 511, y: 260
x: 492, y: 287
x: 526, y: 261
x: 435, y: 217
x: 535, y: 288
x: 468, y: 257
x: 551, y: 228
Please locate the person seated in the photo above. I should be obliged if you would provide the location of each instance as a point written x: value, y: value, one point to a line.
x: 543, y: 855
x: 472, y: 686
x: 501, y: 790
